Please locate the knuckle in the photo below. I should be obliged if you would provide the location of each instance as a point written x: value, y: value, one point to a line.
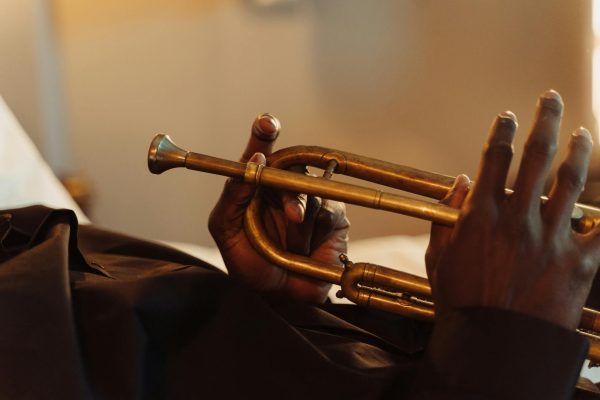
x: 334, y: 207
x: 313, y: 204
x: 570, y: 177
x: 300, y: 198
x: 541, y: 149
x: 332, y: 215
x: 213, y: 225
x: 583, y: 270
x: 430, y: 257
x: 478, y: 202
x: 326, y: 220
x: 526, y: 226
x: 346, y: 222
x: 478, y: 215
x: 496, y: 150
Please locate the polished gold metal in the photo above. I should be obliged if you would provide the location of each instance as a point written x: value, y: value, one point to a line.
x: 363, y: 283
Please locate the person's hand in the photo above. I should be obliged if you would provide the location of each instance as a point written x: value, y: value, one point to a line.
x: 509, y: 251
x: 307, y: 226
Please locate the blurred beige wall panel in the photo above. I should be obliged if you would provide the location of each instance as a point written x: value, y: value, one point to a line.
x: 30, y: 78
x: 414, y: 82
x: 18, y: 68
x: 200, y: 75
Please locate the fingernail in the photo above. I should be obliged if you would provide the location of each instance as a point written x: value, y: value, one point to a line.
x: 504, y: 130
x: 463, y: 178
x: 582, y: 132
x: 552, y: 100
x: 266, y: 127
x: 294, y: 211
x: 460, y: 180
x: 508, y: 117
x: 258, y: 158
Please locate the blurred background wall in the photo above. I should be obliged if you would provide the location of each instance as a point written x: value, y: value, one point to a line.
x: 18, y: 63
x: 415, y: 82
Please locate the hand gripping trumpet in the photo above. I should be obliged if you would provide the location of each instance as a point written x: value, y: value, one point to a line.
x: 363, y: 283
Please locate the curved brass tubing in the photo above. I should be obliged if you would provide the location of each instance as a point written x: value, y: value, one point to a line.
x: 363, y: 283
x: 402, y: 177
x: 372, y: 285
x: 295, y: 263
x: 408, y: 179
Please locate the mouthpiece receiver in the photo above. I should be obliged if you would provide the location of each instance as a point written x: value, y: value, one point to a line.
x: 164, y: 154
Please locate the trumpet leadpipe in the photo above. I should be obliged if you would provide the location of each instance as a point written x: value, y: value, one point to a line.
x: 164, y: 155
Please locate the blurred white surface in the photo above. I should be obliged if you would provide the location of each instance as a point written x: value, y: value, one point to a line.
x: 25, y: 178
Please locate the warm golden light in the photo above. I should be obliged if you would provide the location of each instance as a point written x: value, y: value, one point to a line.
x: 596, y: 60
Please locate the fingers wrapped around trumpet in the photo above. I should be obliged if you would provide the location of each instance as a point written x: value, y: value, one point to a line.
x: 299, y: 223
x: 510, y: 251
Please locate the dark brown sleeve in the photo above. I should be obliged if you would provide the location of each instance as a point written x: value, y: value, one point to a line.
x: 480, y: 353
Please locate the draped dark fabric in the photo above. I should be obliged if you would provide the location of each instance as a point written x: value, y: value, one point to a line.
x: 88, y: 313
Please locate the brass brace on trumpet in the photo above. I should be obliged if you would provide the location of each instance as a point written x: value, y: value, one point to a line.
x: 252, y: 173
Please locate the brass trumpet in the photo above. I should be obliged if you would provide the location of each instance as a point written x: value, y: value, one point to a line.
x: 363, y: 283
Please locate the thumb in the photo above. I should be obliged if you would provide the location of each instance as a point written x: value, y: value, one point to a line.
x: 227, y: 217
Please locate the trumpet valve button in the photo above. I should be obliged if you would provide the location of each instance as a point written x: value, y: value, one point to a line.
x: 345, y: 260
